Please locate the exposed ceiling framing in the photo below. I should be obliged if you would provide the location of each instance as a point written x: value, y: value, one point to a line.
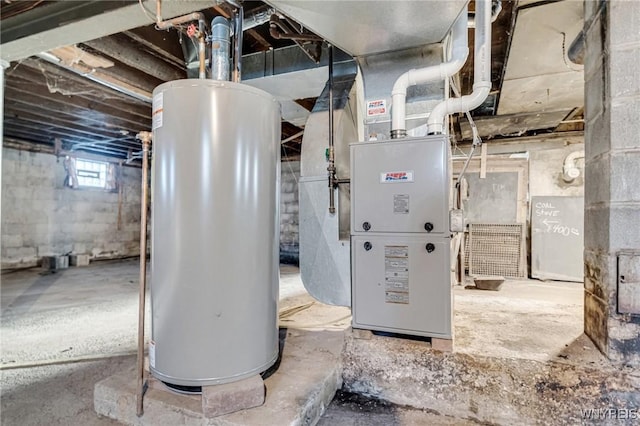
x: 113, y: 43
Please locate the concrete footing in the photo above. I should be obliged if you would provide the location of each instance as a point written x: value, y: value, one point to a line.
x: 309, y: 374
x: 231, y: 397
x: 577, y: 386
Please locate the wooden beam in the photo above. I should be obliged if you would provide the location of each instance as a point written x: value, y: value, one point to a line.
x: 59, y: 102
x: 73, y: 54
x: 222, y: 10
x: 96, y: 26
x: 164, y: 43
x: 85, y: 99
x: 116, y: 78
x: 261, y: 40
x: 122, y: 49
x: 28, y: 118
x: 56, y: 110
x: 306, y: 103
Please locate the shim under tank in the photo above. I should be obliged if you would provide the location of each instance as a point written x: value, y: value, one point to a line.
x: 215, y: 232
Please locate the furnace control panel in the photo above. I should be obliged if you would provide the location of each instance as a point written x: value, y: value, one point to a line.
x: 400, y: 186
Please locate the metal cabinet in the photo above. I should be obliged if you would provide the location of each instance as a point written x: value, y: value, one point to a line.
x: 400, y: 240
x: 400, y: 284
x: 400, y: 186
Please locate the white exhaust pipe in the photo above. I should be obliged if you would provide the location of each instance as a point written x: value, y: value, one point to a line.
x: 482, y: 73
x: 442, y: 71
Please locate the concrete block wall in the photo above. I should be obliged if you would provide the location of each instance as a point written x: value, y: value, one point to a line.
x: 612, y: 182
x: 40, y: 217
x: 290, y: 174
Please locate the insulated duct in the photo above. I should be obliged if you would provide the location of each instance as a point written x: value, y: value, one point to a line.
x: 482, y: 73
x: 442, y: 71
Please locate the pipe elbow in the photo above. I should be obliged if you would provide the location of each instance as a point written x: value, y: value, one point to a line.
x: 570, y: 170
x: 401, y: 84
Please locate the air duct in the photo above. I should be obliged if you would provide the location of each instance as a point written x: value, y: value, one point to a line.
x: 482, y: 73
x: 220, y: 54
x: 442, y: 71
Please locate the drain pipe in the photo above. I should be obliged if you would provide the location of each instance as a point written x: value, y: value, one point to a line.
x: 145, y: 137
x: 482, y: 73
x: 442, y: 71
x: 220, y: 36
x: 171, y: 23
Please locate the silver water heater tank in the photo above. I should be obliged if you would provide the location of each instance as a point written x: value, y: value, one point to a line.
x: 215, y: 232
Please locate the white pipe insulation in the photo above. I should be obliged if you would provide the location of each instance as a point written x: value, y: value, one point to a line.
x: 481, y: 77
x: 443, y: 71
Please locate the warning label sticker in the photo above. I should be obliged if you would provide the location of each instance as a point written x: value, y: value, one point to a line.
x: 377, y: 107
x: 401, y: 203
x: 157, y: 111
x: 396, y: 274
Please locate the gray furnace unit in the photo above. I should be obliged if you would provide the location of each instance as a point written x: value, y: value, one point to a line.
x: 400, y: 237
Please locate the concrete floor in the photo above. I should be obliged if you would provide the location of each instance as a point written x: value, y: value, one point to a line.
x: 61, y: 333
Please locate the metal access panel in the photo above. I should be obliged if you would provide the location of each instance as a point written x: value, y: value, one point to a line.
x: 629, y: 282
x: 401, y: 284
x: 400, y: 186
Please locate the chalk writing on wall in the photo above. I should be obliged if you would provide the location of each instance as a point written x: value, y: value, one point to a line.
x: 551, y: 220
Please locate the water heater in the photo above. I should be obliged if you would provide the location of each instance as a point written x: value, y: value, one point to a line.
x: 215, y: 232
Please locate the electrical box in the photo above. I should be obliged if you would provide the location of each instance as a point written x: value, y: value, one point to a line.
x: 400, y: 240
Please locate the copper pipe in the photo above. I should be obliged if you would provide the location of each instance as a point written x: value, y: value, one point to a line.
x: 201, y: 55
x: 145, y: 137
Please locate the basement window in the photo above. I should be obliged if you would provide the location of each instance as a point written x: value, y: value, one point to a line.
x: 91, y: 173
x: 95, y: 174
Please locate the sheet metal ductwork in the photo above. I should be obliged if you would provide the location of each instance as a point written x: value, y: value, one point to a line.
x: 324, y: 237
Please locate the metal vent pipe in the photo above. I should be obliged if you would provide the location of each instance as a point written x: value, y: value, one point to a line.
x: 220, y: 45
x: 442, y: 71
x: 481, y: 77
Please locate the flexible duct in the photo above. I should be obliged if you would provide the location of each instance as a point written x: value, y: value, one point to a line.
x: 482, y: 73
x: 220, y: 54
x: 443, y: 71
